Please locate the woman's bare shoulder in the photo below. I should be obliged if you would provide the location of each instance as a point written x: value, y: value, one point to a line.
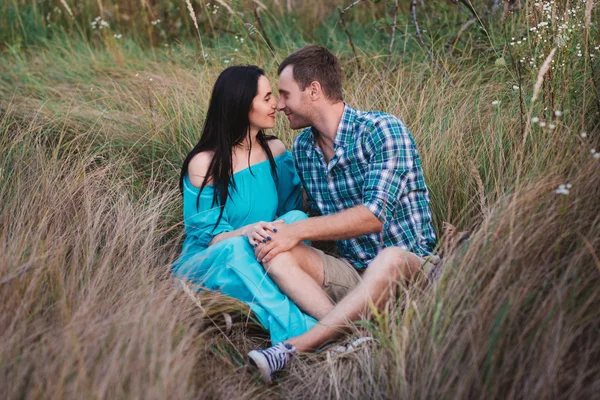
x: 277, y: 147
x: 198, y: 167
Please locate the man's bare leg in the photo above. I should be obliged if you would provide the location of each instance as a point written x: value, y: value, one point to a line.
x: 299, y: 274
x: 389, y: 267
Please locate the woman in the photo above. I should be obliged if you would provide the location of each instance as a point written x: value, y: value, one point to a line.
x: 238, y: 184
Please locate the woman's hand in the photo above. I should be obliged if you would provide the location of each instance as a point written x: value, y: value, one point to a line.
x: 260, y: 232
x: 286, y: 239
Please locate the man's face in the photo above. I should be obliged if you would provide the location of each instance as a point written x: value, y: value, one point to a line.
x: 293, y: 101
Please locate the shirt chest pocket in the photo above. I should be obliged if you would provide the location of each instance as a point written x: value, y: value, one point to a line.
x: 350, y: 173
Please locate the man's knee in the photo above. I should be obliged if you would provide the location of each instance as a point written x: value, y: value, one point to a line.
x: 398, y: 263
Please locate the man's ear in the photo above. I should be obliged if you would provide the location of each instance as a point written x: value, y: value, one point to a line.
x: 315, y: 91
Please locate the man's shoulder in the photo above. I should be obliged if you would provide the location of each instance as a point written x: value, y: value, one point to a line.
x: 377, y: 119
x: 377, y: 123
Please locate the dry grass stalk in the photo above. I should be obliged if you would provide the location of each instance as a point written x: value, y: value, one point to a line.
x: 589, y: 6
x: 224, y: 4
x: 66, y: 6
x: 192, y: 295
x: 536, y: 90
x: 393, y: 35
x: 261, y: 5
x: 101, y: 7
x: 480, y: 188
x: 540, y: 77
x: 193, y: 15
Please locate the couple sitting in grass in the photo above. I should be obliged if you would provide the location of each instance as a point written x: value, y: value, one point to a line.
x: 242, y: 194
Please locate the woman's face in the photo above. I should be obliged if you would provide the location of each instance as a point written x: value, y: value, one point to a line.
x: 262, y: 113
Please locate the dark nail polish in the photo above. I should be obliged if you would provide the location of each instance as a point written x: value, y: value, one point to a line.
x: 264, y: 241
x: 268, y: 237
x: 275, y: 230
x: 255, y: 245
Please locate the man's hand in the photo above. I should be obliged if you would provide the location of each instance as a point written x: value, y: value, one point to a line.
x: 285, y: 239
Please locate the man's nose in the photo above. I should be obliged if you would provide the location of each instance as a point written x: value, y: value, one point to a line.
x: 280, y: 104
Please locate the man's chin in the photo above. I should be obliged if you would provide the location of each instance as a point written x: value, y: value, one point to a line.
x: 298, y: 124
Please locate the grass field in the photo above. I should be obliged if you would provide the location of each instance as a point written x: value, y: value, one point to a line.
x: 101, y: 100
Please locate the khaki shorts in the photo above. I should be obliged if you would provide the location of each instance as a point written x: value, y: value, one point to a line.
x: 341, y: 276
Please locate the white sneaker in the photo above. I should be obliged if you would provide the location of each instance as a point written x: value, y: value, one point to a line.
x: 271, y: 360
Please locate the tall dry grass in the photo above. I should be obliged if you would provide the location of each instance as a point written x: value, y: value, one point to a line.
x: 88, y: 306
x: 515, y: 316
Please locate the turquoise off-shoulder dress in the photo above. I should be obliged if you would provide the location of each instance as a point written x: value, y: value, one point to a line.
x: 230, y: 265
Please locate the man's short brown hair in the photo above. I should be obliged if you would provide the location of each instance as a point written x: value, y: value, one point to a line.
x: 316, y: 63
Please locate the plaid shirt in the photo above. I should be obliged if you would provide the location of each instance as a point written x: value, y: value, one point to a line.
x: 375, y: 164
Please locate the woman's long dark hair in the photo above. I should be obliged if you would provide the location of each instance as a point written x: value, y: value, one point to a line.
x: 227, y: 125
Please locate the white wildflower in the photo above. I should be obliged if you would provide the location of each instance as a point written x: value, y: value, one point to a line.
x: 584, y: 134
x: 515, y: 87
x: 495, y: 102
x: 542, y: 124
x: 535, y: 120
x: 551, y: 126
x: 563, y: 189
x: 558, y: 113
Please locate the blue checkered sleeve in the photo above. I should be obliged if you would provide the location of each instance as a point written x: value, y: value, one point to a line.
x: 390, y: 164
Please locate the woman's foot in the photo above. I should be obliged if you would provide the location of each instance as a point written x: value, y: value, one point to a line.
x: 271, y: 360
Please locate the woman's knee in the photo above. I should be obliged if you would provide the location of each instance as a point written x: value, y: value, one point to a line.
x: 293, y: 216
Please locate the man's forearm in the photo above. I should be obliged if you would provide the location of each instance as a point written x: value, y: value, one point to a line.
x: 351, y: 223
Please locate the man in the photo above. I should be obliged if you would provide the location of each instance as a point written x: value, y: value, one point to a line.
x: 365, y: 189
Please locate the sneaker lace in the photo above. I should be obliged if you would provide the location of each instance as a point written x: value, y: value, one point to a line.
x: 277, y: 356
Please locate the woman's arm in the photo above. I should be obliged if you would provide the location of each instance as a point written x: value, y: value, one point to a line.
x: 259, y: 232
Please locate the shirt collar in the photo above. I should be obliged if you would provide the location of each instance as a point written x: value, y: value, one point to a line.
x: 344, y: 130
